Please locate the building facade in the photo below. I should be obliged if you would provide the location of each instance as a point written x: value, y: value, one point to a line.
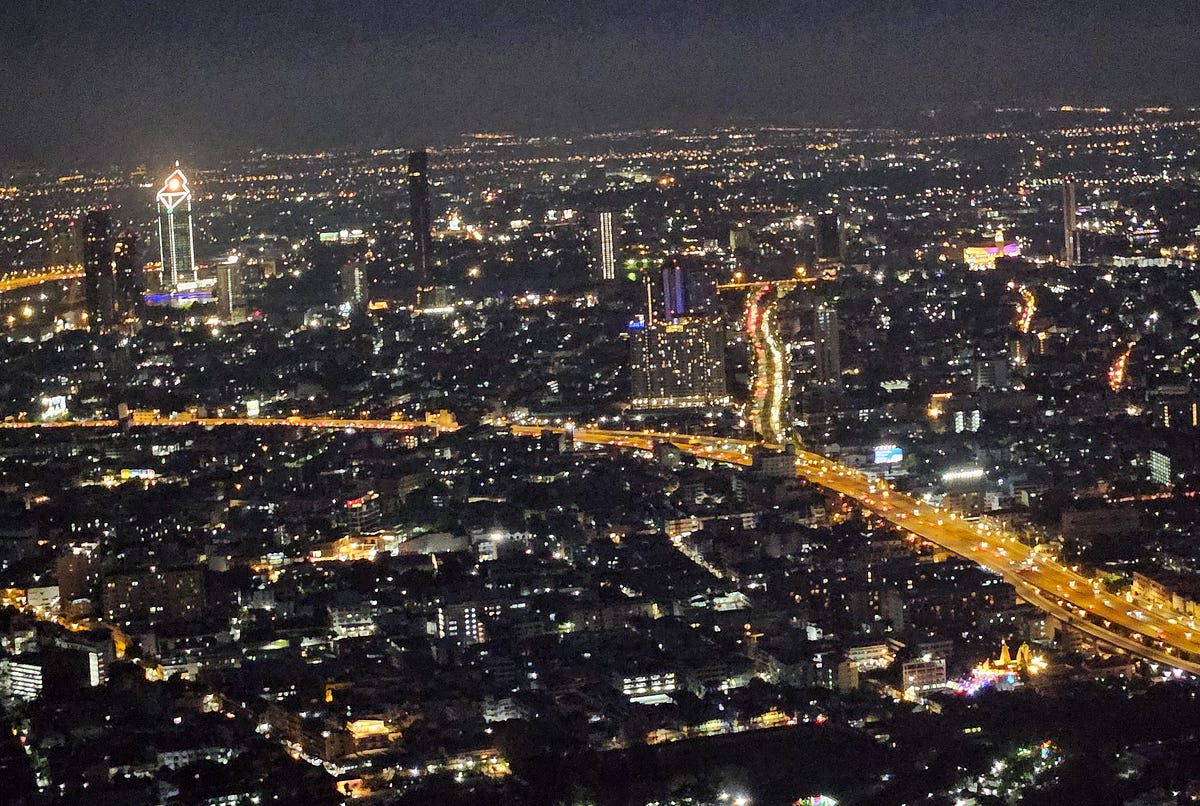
x: 678, y: 364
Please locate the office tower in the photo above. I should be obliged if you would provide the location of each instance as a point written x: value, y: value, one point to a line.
x: 355, y: 289
x: 99, y: 274
x: 678, y: 364
x: 175, y: 242
x: 419, y: 216
x: 828, y: 348
x: 606, y: 247
x: 1070, y: 231
x: 128, y: 263
x: 829, y: 236
x: 689, y: 286
x: 231, y: 293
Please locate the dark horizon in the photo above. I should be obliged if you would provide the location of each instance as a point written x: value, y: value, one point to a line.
x: 127, y: 80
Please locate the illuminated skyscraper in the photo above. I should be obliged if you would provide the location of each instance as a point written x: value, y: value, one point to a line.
x: 677, y: 364
x: 99, y: 272
x: 175, y: 242
x: 1070, y: 230
x: 419, y: 215
x: 606, y: 247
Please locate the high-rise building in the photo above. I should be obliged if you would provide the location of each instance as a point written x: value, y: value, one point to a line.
x: 739, y: 239
x: 64, y: 247
x: 678, y: 364
x: 830, y: 238
x: 99, y: 271
x: 1070, y: 229
x: 355, y: 288
x: 419, y: 216
x: 78, y: 571
x: 175, y: 241
x: 231, y: 293
x: 128, y: 264
x: 828, y: 368
x: 362, y: 514
x: 606, y: 245
x: 689, y: 286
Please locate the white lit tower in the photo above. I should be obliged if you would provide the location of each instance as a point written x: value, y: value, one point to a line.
x: 606, y: 245
x: 175, y: 231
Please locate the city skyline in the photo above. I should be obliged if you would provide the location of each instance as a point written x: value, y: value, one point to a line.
x: 620, y: 404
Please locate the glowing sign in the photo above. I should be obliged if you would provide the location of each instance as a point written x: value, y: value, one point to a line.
x: 143, y: 473
x: 174, y: 191
x: 888, y: 455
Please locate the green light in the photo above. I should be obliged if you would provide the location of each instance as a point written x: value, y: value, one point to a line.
x: 632, y: 275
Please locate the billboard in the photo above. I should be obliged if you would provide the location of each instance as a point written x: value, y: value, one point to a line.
x: 888, y: 455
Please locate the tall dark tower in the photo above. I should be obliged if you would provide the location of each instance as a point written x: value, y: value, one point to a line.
x: 1070, y: 228
x: 99, y: 273
x: 830, y: 238
x: 128, y: 262
x: 422, y: 223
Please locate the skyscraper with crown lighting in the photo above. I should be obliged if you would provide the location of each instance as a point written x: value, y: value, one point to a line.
x: 175, y: 241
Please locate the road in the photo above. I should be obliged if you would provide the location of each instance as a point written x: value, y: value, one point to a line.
x: 441, y: 422
x: 1160, y: 636
x: 15, y: 281
x: 770, y: 394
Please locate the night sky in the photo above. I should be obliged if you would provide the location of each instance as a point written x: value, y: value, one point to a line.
x: 143, y: 79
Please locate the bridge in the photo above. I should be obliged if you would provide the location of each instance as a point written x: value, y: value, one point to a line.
x: 1162, y: 637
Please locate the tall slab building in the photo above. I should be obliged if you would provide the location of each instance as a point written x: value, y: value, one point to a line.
x: 99, y: 270
x: 606, y: 247
x: 420, y: 218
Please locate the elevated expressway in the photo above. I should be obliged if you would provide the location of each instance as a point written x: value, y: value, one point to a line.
x: 440, y: 422
x: 16, y: 280
x: 1161, y: 637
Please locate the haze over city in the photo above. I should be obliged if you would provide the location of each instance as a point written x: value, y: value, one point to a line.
x: 127, y: 80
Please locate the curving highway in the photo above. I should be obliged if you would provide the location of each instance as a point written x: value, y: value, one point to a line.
x: 1160, y: 636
